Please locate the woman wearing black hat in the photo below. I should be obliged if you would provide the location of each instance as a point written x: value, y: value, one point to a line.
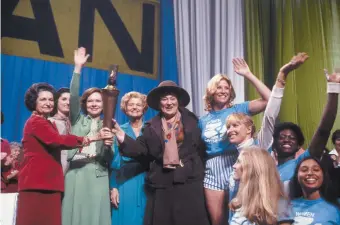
x: 60, y: 117
x: 172, y: 146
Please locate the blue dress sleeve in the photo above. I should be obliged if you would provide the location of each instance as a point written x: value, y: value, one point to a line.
x: 243, y: 108
x: 115, y: 166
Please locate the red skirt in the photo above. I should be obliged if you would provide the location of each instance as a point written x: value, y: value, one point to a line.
x: 39, y: 208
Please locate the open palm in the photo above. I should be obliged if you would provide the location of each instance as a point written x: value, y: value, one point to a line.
x: 80, y: 56
x: 240, y: 66
x: 295, y: 62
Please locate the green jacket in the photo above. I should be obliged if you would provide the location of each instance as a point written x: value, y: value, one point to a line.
x: 81, y: 125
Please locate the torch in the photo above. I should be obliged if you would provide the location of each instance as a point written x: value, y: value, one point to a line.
x: 110, y: 95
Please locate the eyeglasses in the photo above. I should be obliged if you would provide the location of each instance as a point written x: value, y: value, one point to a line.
x: 289, y: 137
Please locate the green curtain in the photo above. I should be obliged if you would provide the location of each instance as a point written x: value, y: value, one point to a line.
x: 275, y: 30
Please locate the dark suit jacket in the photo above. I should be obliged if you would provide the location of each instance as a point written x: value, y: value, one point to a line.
x: 149, y: 148
x: 41, y: 168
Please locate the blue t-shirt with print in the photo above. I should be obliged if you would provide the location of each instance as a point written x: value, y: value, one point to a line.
x: 287, y: 169
x: 315, y: 212
x: 213, y: 126
x: 285, y: 214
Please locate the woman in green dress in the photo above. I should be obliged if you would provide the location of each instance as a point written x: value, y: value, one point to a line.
x: 87, y: 199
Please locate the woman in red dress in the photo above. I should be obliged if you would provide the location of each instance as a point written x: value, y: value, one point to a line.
x: 11, y: 175
x: 41, y: 179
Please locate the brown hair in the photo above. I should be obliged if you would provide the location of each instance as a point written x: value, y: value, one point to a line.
x: 85, y: 96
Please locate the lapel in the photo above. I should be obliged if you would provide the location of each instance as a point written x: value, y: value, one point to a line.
x: 156, y: 125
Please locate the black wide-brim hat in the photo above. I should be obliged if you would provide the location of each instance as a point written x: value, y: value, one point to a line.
x: 167, y: 87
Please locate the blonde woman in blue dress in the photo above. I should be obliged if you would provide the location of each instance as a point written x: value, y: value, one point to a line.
x: 127, y: 178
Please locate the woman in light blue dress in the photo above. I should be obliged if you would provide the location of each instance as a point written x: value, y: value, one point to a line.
x: 127, y: 178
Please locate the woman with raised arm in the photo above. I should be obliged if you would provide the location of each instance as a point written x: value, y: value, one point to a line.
x: 86, y: 200
x: 41, y: 179
x: 172, y: 146
x: 260, y: 198
x: 288, y: 137
x: 221, y: 155
x: 241, y: 128
x: 128, y: 175
x: 60, y: 117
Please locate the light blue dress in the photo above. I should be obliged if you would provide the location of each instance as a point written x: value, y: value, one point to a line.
x: 128, y: 177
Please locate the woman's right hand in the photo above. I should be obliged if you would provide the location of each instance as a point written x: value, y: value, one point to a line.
x: 118, y: 132
x: 80, y: 58
x: 294, y: 63
x: 115, y: 197
x: 334, y: 77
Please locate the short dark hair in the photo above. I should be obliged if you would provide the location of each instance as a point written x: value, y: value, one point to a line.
x: 335, y: 136
x: 85, y: 96
x: 289, y: 126
x: 56, y: 98
x: 32, y: 94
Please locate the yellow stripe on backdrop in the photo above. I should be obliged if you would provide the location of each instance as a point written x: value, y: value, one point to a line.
x: 123, y: 32
x: 275, y: 31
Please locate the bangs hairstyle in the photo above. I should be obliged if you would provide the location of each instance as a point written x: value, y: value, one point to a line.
x: 243, y: 119
x: 133, y: 94
x: 32, y: 94
x: 260, y: 187
x: 212, y: 88
x: 86, y: 95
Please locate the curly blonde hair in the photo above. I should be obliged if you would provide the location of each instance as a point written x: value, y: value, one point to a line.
x: 211, y: 89
x: 133, y: 94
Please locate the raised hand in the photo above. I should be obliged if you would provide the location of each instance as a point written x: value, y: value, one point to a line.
x: 241, y: 67
x: 80, y: 57
x: 294, y: 63
x: 334, y: 77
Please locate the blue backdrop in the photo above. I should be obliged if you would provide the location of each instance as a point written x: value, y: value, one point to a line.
x: 19, y: 73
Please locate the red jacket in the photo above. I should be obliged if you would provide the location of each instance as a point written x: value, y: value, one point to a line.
x: 4, y: 148
x: 41, y: 168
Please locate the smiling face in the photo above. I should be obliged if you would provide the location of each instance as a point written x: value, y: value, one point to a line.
x: 64, y: 103
x: 94, y: 104
x: 237, y: 132
x: 15, y: 151
x: 287, y: 143
x: 44, y: 103
x: 169, y: 105
x: 134, y: 108
x: 310, y: 176
x: 222, y: 94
